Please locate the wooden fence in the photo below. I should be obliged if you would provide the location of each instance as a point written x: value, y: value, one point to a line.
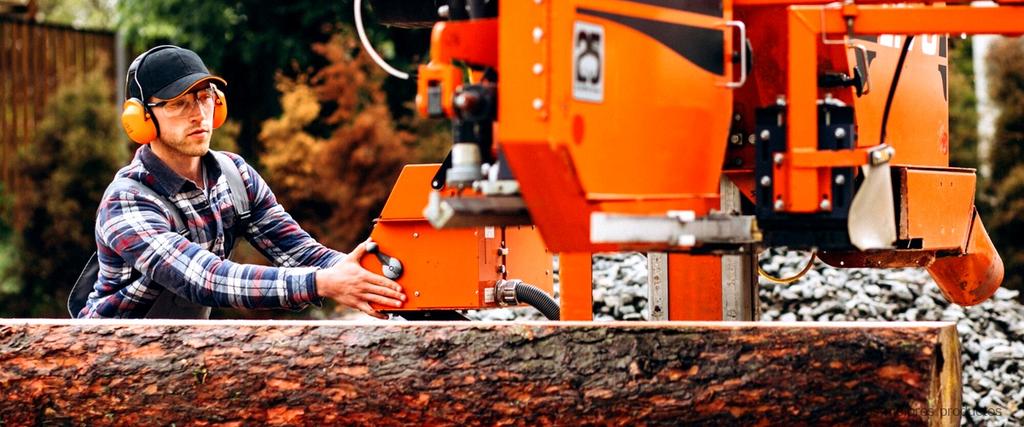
x: 34, y: 60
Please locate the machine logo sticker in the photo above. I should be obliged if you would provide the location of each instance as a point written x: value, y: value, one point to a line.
x: 588, y: 62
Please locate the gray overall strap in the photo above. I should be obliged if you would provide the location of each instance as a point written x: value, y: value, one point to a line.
x: 239, y: 194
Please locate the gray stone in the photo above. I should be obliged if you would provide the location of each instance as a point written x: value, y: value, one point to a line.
x: 924, y: 302
x: 901, y: 291
x: 1005, y: 294
x: 1003, y: 352
x: 872, y: 289
x: 910, y: 315
x: 990, y: 343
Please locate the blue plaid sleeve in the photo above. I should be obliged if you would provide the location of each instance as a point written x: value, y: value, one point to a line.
x: 136, y: 228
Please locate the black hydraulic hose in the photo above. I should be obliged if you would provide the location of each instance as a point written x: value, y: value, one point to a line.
x: 540, y: 300
x: 892, y: 87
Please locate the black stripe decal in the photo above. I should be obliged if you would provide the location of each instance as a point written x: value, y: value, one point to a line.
x: 945, y: 84
x: 703, y: 7
x: 702, y: 46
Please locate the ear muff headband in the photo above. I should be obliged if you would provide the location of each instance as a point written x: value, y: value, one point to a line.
x: 136, y: 118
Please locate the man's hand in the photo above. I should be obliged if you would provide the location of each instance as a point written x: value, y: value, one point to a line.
x: 348, y: 283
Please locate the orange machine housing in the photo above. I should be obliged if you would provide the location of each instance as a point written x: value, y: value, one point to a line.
x: 673, y: 117
x: 452, y: 269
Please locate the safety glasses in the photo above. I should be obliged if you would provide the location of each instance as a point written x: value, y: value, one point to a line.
x: 185, y: 104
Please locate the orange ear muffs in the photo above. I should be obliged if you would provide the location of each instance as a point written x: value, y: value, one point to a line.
x: 137, y: 122
x: 220, y: 109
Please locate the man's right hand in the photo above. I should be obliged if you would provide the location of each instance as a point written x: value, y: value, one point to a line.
x: 349, y: 284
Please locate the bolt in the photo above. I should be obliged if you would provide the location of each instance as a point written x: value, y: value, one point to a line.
x: 417, y: 293
x: 778, y: 158
x: 502, y: 251
x: 415, y: 235
x: 538, y: 103
x: 766, y: 181
x: 538, y: 68
x: 538, y: 34
x: 779, y: 204
x: 825, y: 205
x: 442, y: 12
x: 765, y: 134
x: 736, y: 117
x: 840, y: 179
x: 734, y: 139
x: 538, y: 1
x: 501, y: 269
x: 780, y: 100
x: 840, y: 133
x: 751, y: 139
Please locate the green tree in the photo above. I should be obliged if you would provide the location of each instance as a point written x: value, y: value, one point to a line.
x: 963, y: 106
x: 92, y: 14
x: 1006, y: 186
x: 76, y: 151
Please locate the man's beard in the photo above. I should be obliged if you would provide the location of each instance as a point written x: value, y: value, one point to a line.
x: 184, y: 147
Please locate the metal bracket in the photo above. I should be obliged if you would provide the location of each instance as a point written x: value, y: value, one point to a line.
x: 501, y: 187
x: 863, y: 51
x: 657, y: 285
x: 743, y: 54
x: 880, y: 154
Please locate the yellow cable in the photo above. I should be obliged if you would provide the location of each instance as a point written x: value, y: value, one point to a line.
x: 787, y: 280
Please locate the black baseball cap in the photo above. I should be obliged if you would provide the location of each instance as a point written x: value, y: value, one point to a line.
x: 168, y: 71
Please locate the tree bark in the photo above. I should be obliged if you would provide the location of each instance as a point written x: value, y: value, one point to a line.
x: 158, y: 372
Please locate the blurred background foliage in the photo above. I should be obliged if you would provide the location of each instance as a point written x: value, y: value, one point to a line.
x: 1004, y: 191
x: 75, y: 152
x: 330, y: 131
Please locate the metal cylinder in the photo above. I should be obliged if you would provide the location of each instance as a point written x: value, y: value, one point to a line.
x: 465, y: 164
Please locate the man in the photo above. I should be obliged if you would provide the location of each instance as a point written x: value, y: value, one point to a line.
x: 142, y: 257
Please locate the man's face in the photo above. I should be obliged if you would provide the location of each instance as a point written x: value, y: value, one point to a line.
x: 186, y: 122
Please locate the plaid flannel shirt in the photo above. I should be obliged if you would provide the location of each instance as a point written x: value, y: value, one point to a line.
x: 135, y: 231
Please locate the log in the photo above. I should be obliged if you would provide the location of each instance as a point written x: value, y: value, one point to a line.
x: 159, y: 372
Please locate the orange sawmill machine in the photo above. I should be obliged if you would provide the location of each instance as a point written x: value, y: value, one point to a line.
x: 698, y: 131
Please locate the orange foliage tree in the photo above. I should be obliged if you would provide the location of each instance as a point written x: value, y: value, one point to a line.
x: 336, y: 150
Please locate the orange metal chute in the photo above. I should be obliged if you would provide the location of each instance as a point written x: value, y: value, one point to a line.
x: 973, y: 276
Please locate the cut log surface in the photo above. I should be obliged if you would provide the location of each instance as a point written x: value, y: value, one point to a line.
x: 154, y: 372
